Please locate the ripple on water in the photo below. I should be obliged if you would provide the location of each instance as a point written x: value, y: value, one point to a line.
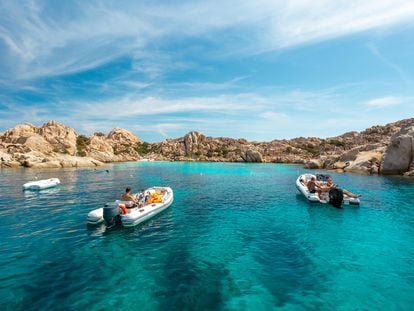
x: 237, y: 237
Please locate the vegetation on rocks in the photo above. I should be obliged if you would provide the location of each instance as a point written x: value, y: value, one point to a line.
x: 142, y: 148
x: 81, y: 143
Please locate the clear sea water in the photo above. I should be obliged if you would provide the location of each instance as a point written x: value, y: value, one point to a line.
x: 237, y: 237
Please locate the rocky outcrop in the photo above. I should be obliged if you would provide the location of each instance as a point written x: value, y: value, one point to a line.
x: 399, y: 156
x: 56, y: 145
x: 359, y: 152
x: 100, y: 148
x: 313, y: 164
x: 38, y: 143
x: 19, y: 134
x: 409, y: 173
x: 36, y: 159
x: 193, y: 143
x: 252, y: 155
x: 118, y: 146
x: 366, y: 162
x: 119, y: 135
x: 62, y: 138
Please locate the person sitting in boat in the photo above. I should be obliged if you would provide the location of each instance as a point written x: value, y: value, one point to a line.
x: 147, y: 198
x: 127, y: 196
x: 313, y: 187
x: 330, y: 185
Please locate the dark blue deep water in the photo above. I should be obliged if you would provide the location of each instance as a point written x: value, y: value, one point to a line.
x: 237, y: 237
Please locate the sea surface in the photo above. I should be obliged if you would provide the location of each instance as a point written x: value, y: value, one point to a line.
x: 237, y: 237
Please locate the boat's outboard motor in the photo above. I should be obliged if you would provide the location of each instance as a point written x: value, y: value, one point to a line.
x: 111, y: 214
x: 336, y: 196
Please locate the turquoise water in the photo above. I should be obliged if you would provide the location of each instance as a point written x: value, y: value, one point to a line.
x: 237, y: 237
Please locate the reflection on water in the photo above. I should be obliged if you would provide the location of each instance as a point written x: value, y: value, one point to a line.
x: 38, y: 193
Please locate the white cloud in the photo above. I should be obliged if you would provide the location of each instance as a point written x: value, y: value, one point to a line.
x: 384, y: 102
x: 130, y: 106
x: 306, y: 21
x: 248, y: 115
x: 274, y: 116
x: 41, y: 41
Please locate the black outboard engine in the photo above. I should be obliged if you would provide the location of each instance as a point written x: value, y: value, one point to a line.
x: 111, y: 214
x: 336, y: 197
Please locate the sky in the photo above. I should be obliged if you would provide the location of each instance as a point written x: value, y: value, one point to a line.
x: 260, y: 70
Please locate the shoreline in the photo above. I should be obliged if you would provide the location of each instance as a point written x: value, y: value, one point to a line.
x: 103, y: 167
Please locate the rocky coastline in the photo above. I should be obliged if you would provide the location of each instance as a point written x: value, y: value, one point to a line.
x: 387, y: 149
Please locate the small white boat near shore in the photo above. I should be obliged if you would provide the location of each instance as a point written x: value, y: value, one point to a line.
x: 302, y: 181
x: 41, y: 184
x: 150, y: 203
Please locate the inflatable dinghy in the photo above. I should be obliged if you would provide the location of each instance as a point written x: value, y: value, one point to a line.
x: 150, y: 203
x: 333, y: 196
x: 41, y: 184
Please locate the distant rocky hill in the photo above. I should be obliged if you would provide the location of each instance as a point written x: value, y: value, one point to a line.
x: 385, y: 149
x: 57, y: 145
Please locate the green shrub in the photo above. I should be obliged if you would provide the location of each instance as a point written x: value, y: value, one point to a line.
x: 222, y: 150
x: 337, y: 142
x: 311, y: 149
x: 81, y: 143
x: 142, y: 148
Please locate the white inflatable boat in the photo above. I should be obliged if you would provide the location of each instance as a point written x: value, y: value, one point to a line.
x: 150, y: 202
x: 41, y: 184
x: 302, y: 181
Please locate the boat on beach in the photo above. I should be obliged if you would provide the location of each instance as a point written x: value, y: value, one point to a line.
x: 151, y: 202
x: 41, y: 184
x: 302, y: 181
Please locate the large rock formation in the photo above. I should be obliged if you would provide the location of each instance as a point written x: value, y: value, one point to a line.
x: 119, y: 135
x: 359, y: 152
x: 251, y: 155
x: 56, y: 145
x: 100, y: 148
x: 193, y: 143
x: 19, y: 134
x: 119, y: 145
x: 61, y: 137
x: 399, y: 156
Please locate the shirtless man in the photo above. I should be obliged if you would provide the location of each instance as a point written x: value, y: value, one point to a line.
x: 127, y: 196
x: 313, y: 187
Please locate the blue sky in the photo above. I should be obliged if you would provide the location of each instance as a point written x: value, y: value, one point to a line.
x: 255, y: 69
